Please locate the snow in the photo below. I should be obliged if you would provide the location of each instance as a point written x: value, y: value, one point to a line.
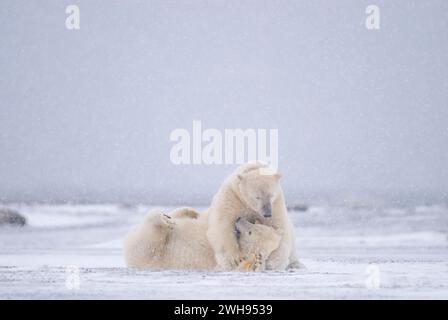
x: 339, y: 245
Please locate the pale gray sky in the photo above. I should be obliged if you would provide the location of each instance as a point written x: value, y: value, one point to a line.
x: 86, y: 115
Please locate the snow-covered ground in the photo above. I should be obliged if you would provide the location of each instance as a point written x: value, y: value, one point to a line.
x: 350, y: 253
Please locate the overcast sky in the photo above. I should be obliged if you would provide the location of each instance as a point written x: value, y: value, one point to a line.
x: 87, y: 114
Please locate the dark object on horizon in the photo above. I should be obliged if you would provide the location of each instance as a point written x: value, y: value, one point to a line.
x: 11, y: 217
x: 298, y: 207
x: 127, y: 206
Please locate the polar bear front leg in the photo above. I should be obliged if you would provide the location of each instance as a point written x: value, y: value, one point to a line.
x: 279, y: 258
x: 294, y: 262
x: 228, y: 261
x: 225, y: 245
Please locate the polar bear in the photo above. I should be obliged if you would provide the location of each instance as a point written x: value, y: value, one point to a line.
x: 179, y: 241
x: 251, y: 192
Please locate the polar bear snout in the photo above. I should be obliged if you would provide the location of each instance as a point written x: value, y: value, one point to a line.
x: 267, y: 210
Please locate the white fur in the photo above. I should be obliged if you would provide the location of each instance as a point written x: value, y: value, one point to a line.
x: 180, y: 242
x: 243, y: 194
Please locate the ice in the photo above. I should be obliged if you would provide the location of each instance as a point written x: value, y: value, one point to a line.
x: 408, y: 247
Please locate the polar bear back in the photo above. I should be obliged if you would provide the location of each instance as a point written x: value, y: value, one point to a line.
x: 161, y: 242
x: 188, y: 246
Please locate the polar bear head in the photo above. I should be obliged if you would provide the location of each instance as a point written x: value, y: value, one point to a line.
x: 257, y: 188
x: 256, y: 238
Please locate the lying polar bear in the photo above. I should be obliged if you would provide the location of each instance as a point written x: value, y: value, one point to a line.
x: 179, y: 241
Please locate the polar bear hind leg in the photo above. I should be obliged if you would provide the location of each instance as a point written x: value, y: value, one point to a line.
x: 185, y: 213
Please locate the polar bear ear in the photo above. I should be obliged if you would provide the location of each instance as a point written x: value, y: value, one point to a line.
x: 278, y: 175
x: 240, y: 177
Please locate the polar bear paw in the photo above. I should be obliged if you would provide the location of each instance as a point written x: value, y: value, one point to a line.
x: 295, y: 265
x: 259, y: 263
x: 167, y: 221
x: 157, y: 218
x: 253, y: 262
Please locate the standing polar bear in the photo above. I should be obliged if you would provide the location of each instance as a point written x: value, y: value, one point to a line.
x: 179, y: 241
x: 252, y: 192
